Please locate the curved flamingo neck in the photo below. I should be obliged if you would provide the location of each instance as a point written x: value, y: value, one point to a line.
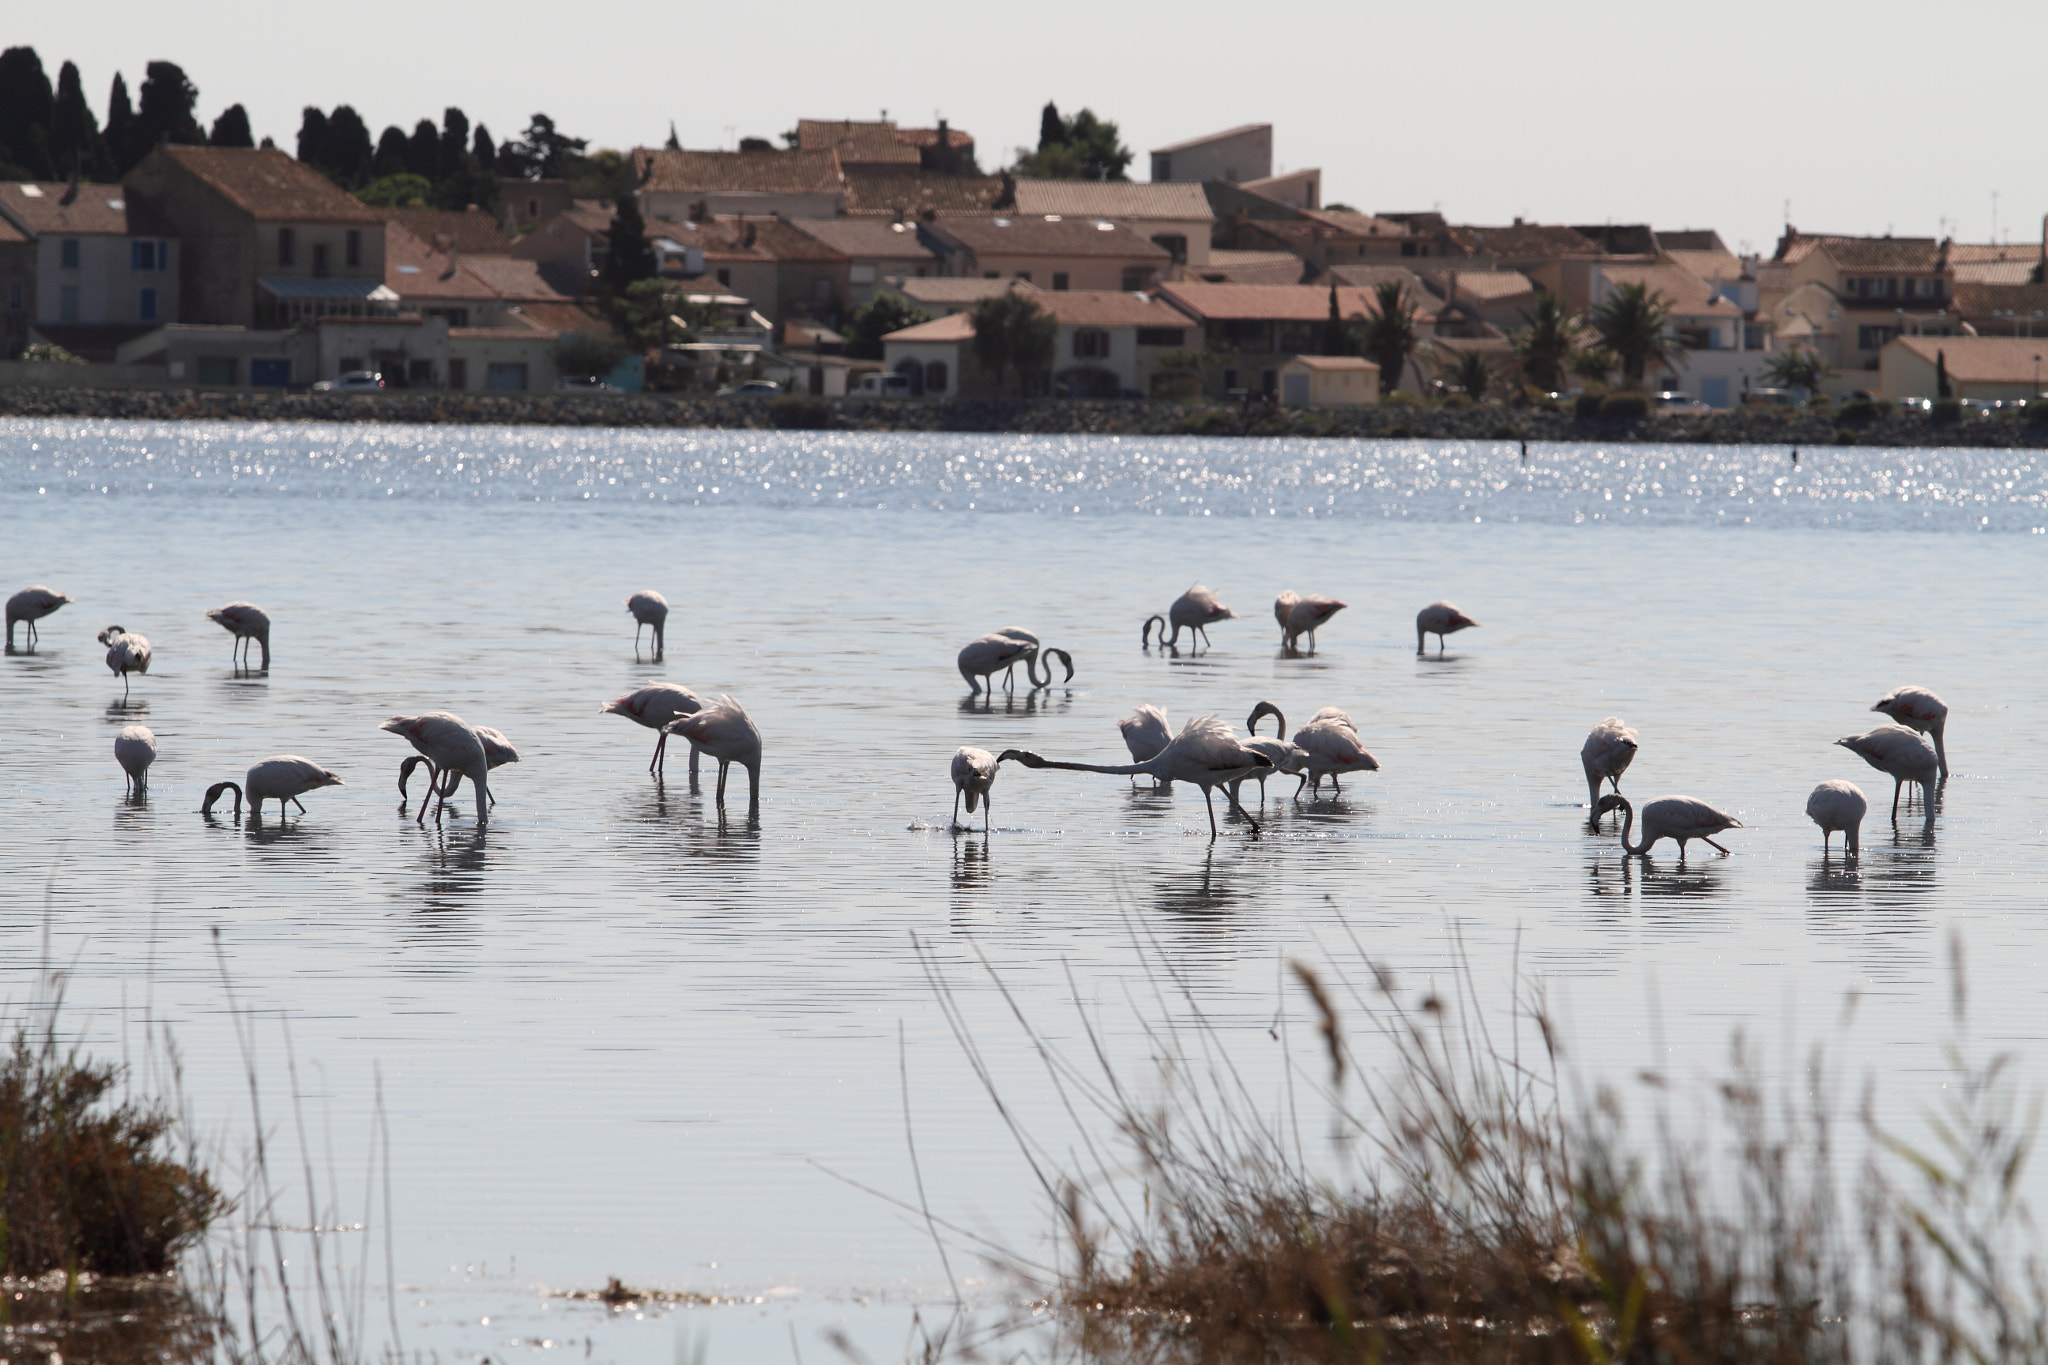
x: 1628, y: 824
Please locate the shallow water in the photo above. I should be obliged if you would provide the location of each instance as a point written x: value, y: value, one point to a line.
x: 616, y: 1036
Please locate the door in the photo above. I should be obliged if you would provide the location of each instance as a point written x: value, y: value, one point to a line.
x: 1297, y: 390
x: 275, y: 374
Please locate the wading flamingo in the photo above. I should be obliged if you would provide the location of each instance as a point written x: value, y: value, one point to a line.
x: 1440, y: 619
x: 1194, y: 610
x: 449, y: 744
x: 31, y: 605
x: 1902, y: 755
x: 1145, y: 733
x: 126, y: 654
x: 498, y: 751
x: 1669, y: 817
x: 1000, y: 651
x: 1300, y: 616
x: 135, y: 750
x: 1206, y: 752
x: 649, y: 608
x: 1330, y: 748
x: 284, y: 778
x: 1838, y: 806
x: 1916, y: 708
x: 974, y: 772
x: 1606, y: 754
x: 654, y: 706
x: 724, y: 730
x: 245, y: 621
x: 1287, y: 756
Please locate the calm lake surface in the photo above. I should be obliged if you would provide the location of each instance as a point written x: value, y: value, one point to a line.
x: 617, y: 1037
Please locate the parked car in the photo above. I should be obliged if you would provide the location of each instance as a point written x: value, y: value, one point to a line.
x: 1916, y: 405
x: 1783, y: 398
x: 884, y: 385
x: 1671, y: 400
x: 753, y: 388
x: 584, y: 384
x: 353, y: 381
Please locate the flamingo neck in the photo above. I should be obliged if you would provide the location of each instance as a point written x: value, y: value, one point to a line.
x: 1628, y: 824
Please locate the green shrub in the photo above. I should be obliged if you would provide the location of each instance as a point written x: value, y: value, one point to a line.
x: 1457, y: 401
x: 1399, y: 398
x: 795, y: 412
x: 1587, y: 405
x: 1625, y: 407
x: 1859, y: 412
x: 50, y: 353
x: 1946, y: 411
x: 1506, y: 431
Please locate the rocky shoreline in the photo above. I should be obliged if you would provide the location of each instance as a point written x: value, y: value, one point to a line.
x: 1045, y: 416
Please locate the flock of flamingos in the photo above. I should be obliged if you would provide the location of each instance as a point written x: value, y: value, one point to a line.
x: 1207, y: 752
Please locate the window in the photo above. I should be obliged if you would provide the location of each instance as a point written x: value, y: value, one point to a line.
x: 67, y: 303
x: 505, y: 376
x: 1874, y: 338
x: 145, y: 306
x: 458, y: 373
x: 532, y: 211
x: 67, y: 253
x: 320, y: 258
x: 1229, y: 380
x: 270, y: 374
x: 1407, y: 248
x: 352, y: 247
x: 217, y: 369
x: 1059, y: 279
x: 1024, y: 275
x: 1162, y: 166
x: 990, y: 275
x: 724, y: 276
x: 1269, y: 382
x: 286, y: 242
x: 142, y: 255
x: 1159, y: 336
x: 419, y: 374
x: 935, y: 376
x: 1136, y: 277
x: 1173, y: 245
x: 821, y: 289
x: 1091, y: 343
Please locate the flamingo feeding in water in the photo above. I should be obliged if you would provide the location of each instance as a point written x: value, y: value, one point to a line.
x: 449, y: 744
x: 649, y: 608
x: 1916, y: 708
x: 1300, y: 616
x: 1902, y: 755
x: 29, y: 606
x: 1683, y: 818
x: 1835, y: 806
x: 498, y: 751
x: 1606, y: 754
x: 245, y: 621
x: 284, y: 778
x: 655, y: 706
x: 1330, y: 747
x: 1194, y: 611
x: 1000, y: 651
x: 974, y: 773
x: 126, y: 654
x: 135, y: 750
x: 1287, y: 756
x: 1145, y: 732
x: 1206, y: 752
x: 724, y: 730
x: 1440, y: 619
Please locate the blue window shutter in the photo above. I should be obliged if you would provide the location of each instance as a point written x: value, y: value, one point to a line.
x: 147, y: 310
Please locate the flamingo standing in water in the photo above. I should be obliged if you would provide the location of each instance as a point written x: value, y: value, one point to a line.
x: 245, y: 621
x: 284, y: 778
x: 1287, y: 756
x: 1206, y: 752
x: 498, y: 751
x: 974, y: 773
x: 135, y: 750
x: 126, y: 654
x: 1606, y: 754
x: 1194, y: 610
x: 1683, y: 818
x: 655, y: 706
x: 1300, y: 616
x: 1145, y: 733
x: 1440, y: 619
x: 1916, y: 708
x: 449, y: 744
x: 1330, y: 748
x: 1902, y: 755
x: 29, y: 606
x: 1000, y: 651
x: 1838, y: 806
x: 724, y: 730
x: 649, y: 608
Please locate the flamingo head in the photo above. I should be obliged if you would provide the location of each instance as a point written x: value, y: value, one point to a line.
x: 1024, y: 756
x: 1611, y: 801
x: 112, y: 633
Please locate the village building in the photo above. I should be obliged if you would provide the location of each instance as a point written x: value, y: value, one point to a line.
x: 1050, y: 250
x: 80, y: 269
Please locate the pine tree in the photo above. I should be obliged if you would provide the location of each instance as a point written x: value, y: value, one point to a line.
x: 164, y: 110
x: 629, y: 256
x: 231, y: 129
x: 26, y: 106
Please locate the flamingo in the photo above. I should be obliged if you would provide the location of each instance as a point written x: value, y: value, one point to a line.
x: 1901, y: 754
x: 1303, y: 615
x: 1001, y: 651
x: 1440, y: 619
x: 654, y: 706
x: 245, y: 621
x: 1287, y: 756
x: 1330, y: 747
x: 449, y: 744
x: 1194, y: 610
x: 1206, y: 752
x: 498, y: 751
x: 135, y: 750
x: 1608, y: 750
x: 649, y: 608
x: 724, y: 730
x: 1145, y: 732
x: 126, y: 654
x: 974, y: 772
x: 1838, y: 805
x: 1683, y: 818
x: 31, y: 605
x: 1916, y: 708
x: 284, y: 778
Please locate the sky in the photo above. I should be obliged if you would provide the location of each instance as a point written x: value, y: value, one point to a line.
x: 1867, y: 118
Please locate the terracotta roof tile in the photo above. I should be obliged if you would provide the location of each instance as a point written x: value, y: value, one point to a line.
x: 1488, y: 285
x: 1708, y: 265
x: 1108, y: 308
x: 871, y: 143
x: 795, y: 172
x: 477, y: 233
x: 1251, y: 267
x: 95, y: 210
x: 1980, y: 359
x: 1268, y: 302
x: 1048, y: 235
x: 269, y: 186
x: 1523, y: 241
x: 1168, y: 199
x: 950, y: 291
x: 869, y: 238
x: 953, y: 327
x: 1865, y: 253
x: 1976, y: 300
x: 1369, y: 277
x: 1208, y: 138
x: 1994, y: 272
x: 889, y: 190
x: 1686, y: 293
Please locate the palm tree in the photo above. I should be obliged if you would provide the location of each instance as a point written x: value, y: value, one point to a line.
x: 1547, y: 341
x: 1388, y: 336
x: 1592, y: 364
x: 1635, y: 324
x: 1798, y: 368
x: 1468, y: 373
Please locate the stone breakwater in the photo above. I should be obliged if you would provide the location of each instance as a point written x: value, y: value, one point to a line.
x: 1480, y: 422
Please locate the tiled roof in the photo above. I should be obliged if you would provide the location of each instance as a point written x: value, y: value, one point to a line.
x: 1048, y: 235
x: 1982, y: 300
x: 952, y: 290
x: 777, y: 239
x: 1863, y: 253
x: 873, y: 143
x: 888, y: 190
x: 1355, y: 224
x: 1333, y: 363
x: 1169, y: 199
x: 1980, y: 359
x: 1108, y: 308
x: 268, y: 185
x: 1692, y: 239
x: 562, y: 317
x: 497, y: 333
x: 1482, y: 285
x: 1708, y: 265
x: 1251, y: 267
x: 1523, y: 241
x: 1208, y: 138
x: 955, y: 327
x: 1993, y: 272
x: 1368, y: 279
x: 1268, y: 302
x: 957, y: 139
x: 796, y: 172
x: 512, y: 279
x: 1687, y: 294
x: 414, y: 270
x: 870, y: 238
x: 10, y: 233
x: 474, y: 232
x: 94, y: 210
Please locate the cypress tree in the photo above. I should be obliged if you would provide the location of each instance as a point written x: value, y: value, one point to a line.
x: 1052, y: 129
x: 454, y: 140
x: 629, y: 256
x: 484, y: 150
x: 121, y: 128
x: 313, y: 139
x: 231, y: 129
x: 26, y: 106
x: 423, y: 153
x: 393, y: 154
x: 164, y: 112
x: 75, y: 141
x: 348, y: 148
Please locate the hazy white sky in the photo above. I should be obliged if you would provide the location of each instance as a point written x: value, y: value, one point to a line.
x: 1867, y: 117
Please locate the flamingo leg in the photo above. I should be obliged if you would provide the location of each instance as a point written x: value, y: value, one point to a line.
x: 1209, y: 799
x: 1712, y: 844
x: 723, y: 764
x: 988, y: 808
x: 1232, y: 798
x: 1897, y: 783
x: 956, y: 808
